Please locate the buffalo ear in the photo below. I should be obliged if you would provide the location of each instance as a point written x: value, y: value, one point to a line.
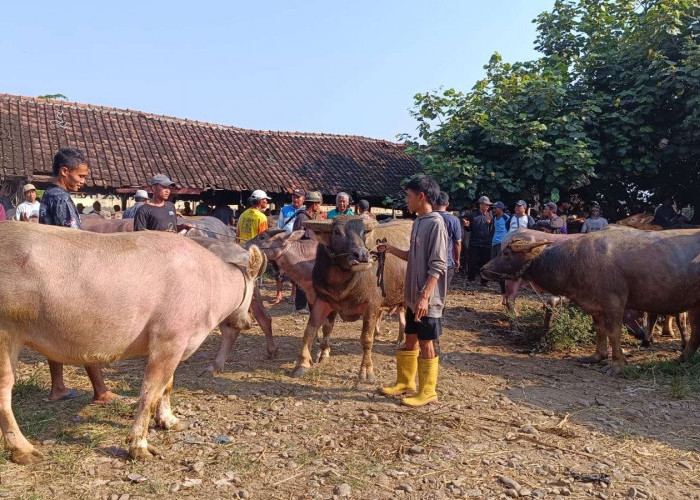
x: 520, y: 245
x: 295, y: 236
x: 325, y: 238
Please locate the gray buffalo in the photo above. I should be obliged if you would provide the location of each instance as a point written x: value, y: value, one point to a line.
x: 46, y: 271
x: 610, y: 271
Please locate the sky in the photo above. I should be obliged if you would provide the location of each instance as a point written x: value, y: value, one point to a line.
x: 335, y: 67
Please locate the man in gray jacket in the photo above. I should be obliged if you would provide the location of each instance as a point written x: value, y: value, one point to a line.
x: 425, y: 291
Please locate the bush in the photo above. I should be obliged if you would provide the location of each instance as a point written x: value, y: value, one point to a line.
x: 570, y: 327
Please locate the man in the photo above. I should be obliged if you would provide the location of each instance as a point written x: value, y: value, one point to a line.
x: 364, y: 210
x: 158, y: 214
x: 203, y: 208
x: 286, y: 220
x: 70, y: 169
x: 140, y: 198
x: 425, y: 291
x: 594, y: 222
x: 253, y: 221
x: 666, y: 215
x: 563, y: 212
x: 520, y: 218
x: 342, y: 206
x: 310, y: 211
x: 29, y: 208
x: 551, y: 223
x: 224, y: 213
x: 454, y: 235
x: 500, y: 229
x: 479, y: 223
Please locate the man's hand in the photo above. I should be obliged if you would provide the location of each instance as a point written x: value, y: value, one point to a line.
x: 466, y: 222
x: 384, y: 247
x: 421, y: 308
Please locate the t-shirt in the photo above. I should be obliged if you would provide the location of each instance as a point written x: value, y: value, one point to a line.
x: 454, y: 234
x: 480, y: 228
x: 427, y: 256
x: 524, y: 221
x: 593, y: 224
x: 130, y: 212
x: 285, y: 217
x: 500, y: 229
x: 334, y: 213
x: 31, y: 209
x: 251, y: 223
x: 57, y: 208
x: 152, y: 218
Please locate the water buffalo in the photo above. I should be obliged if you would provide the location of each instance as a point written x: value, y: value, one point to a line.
x: 46, y: 271
x: 202, y: 227
x: 610, y: 271
x: 345, y: 280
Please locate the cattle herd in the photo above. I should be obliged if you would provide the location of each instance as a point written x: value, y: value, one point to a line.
x: 47, y: 271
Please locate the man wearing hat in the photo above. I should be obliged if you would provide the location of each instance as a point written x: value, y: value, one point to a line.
x: 520, y: 218
x: 551, y: 223
x: 364, y: 210
x: 140, y: 197
x: 158, y: 214
x: 479, y: 223
x: 253, y: 221
x: 29, y: 207
x: 310, y: 211
x: 288, y: 215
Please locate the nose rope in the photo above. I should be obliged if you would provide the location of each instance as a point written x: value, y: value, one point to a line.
x: 381, y: 257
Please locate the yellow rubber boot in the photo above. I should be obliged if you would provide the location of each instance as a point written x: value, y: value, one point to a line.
x: 406, y: 367
x: 427, y: 381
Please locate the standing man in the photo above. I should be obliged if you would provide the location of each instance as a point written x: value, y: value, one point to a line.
x: 286, y: 220
x: 364, y: 210
x: 342, y: 206
x: 310, y: 211
x: 29, y: 207
x: 551, y: 223
x: 500, y: 229
x: 479, y: 223
x: 594, y: 222
x: 159, y: 213
x: 140, y: 197
x: 520, y: 218
x: 454, y: 235
x: 425, y: 291
x: 253, y: 221
x: 70, y: 169
x: 224, y: 213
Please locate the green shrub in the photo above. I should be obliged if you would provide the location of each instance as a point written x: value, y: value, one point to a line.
x: 570, y: 326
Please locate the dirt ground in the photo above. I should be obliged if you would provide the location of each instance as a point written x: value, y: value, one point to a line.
x: 509, y: 423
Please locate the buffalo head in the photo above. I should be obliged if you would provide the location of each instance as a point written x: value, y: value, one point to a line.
x: 347, y: 242
x: 274, y: 242
x: 514, y: 260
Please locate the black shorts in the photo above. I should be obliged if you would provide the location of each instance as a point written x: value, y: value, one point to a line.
x: 426, y: 328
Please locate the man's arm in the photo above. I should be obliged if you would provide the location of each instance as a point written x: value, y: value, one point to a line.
x: 457, y: 252
x: 385, y: 247
x: 141, y: 219
x: 424, y: 300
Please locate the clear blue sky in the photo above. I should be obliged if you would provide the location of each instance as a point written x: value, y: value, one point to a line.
x: 347, y: 67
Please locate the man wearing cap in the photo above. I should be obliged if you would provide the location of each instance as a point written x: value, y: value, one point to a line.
x: 364, y: 210
x: 310, y: 211
x: 253, y: 221
x: 29, y: 207
x: 342, y: 206
x: 500, y: 229
x: 551, y: 223
x: 140, y: 197
x: 479, y: 223
x: 520, y: 218
x: 286, y: 220
x: 158, y: 214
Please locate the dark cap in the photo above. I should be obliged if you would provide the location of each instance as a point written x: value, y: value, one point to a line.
x: 499, y: 204
x: 521, y: 203
x: 551, y: 205
x: 161, y: 179
x: 299, y: 192
x: 363, y: 204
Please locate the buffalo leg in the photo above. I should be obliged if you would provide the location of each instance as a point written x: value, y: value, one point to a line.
x: 613, y: 330
x: 402, y: 327
x: 369, y: 321
x: 512, y: 287
x: 682, y: 321
x: 324, y: 351
x: 319, y: 313
x: 164, y: 413
x: 228, y: 338
x: 601, y: 341
x: 378, y: 328
x: 667, y: 330
x: 263, y: 318
x: 694, y: 341
x: 21, y: 451
x: 159, y: 372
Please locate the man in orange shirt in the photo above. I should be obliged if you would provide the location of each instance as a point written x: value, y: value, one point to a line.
x: 253, y: 221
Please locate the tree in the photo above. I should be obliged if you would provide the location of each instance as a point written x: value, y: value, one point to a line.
x: 53, y: 96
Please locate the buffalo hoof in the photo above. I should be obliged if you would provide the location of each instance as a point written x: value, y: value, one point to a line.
x: 686, y: 357
x: 26, y: 457
x: 647, y: 343
x: 299, y: 371
x: 614, y: 368
x: 590, y: 360
x: 209, y: 372
x: 176, y: 426
x: 272, y: 354
x: 323, y: 355
x: 366, y: 377
x: 141, y: 454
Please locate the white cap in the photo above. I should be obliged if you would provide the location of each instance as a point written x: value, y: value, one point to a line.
x: 141, y: 193
x: 259, y: 194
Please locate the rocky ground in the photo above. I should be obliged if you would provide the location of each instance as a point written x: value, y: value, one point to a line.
x: 509, y: 423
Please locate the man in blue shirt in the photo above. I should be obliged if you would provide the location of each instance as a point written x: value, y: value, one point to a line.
x: 288, y: 215
x: 454, y: 235
x: 70, y: 169
x: 342, y: 206
x: 500, y: 229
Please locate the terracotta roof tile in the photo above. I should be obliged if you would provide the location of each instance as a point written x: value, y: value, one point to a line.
x: 127, y: 147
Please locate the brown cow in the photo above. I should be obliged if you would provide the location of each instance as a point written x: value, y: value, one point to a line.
x: 45, y: 272
x: 345, y: 280
x: 610, y: 271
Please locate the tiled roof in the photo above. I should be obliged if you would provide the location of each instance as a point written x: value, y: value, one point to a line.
x: 127, y: 147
